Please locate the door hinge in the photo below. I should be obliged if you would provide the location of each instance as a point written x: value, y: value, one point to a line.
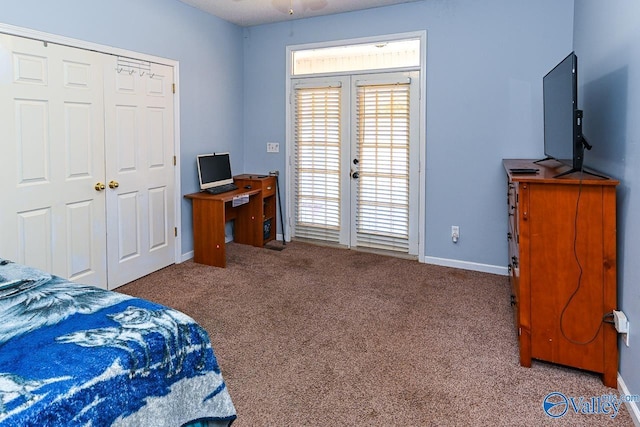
x: 173, y: 87
x: 175, y: 231
x: 175, y: 161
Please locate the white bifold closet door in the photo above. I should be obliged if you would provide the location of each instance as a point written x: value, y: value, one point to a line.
x: 63, y: 143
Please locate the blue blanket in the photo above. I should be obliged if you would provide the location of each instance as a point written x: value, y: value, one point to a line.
x: 78, y: 355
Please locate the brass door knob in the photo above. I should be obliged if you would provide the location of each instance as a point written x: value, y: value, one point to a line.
x: 99, y: 186
x: 113, y: 184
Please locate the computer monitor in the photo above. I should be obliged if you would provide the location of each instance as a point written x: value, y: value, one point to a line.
x: 214, y: 170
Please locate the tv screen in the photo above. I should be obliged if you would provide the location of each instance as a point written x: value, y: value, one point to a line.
x: 214, y: 170
x: 562, y: 119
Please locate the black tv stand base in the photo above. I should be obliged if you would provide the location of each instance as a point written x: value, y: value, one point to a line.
x: 572, y: 170
x: 544, y: 160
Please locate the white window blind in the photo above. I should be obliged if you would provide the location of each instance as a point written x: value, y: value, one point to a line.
x: 383, y: 137
x: 317, y: 162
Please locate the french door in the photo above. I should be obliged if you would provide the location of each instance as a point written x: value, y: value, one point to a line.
x: 356, y: 151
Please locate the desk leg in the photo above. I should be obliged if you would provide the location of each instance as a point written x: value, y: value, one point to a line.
x: 208, y: 232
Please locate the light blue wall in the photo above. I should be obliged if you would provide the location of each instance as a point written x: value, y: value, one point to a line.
x: 485, y: 63
x: 208, y: 48
x: 607, y: 42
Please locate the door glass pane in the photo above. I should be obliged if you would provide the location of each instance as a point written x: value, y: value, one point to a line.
x: 317, y: 167
x: 383, y: 136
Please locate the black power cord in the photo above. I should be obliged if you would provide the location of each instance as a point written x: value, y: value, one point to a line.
x: 579, y: 285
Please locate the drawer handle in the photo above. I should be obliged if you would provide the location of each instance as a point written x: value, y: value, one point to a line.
x: 269, y: 188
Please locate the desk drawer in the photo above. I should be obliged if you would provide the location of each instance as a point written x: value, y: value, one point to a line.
x: 265, y: 183
x: 269, y: 187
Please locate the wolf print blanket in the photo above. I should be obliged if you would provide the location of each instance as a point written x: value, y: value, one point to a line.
x: 78, y: 355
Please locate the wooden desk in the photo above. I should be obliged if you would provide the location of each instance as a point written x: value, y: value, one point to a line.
x: 210, y: 214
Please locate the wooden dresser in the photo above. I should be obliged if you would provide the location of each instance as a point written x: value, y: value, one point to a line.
x: 562, y: 264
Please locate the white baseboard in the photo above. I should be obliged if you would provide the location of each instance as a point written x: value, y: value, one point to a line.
x: 466, y: 265
x: 187, y: 256
x: 632, y: 407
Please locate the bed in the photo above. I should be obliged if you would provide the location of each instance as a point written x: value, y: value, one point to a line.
x: 77, y: 355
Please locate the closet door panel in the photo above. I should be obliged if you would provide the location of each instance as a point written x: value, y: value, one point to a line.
x: 139, y: 158
x: 158, y: 228
x: 33, y: 242
x: 128, y: 229
x: 80, y: 222
x: 32, y: 142
x: 52, y: 217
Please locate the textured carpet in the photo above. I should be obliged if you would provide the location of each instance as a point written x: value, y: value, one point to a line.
x: 315, y: 335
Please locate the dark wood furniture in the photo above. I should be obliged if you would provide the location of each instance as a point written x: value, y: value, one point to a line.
x: 562, y: 252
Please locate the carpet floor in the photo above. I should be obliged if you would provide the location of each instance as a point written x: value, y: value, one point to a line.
x: 314, y: 335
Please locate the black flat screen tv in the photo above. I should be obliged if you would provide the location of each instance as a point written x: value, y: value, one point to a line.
x: 563, y: 139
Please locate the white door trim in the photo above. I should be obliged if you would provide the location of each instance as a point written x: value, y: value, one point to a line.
x: 81, y: 44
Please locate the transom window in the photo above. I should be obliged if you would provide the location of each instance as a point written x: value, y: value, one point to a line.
x: 365, y: 56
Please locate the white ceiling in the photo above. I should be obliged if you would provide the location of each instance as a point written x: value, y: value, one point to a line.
x: 255, y: 12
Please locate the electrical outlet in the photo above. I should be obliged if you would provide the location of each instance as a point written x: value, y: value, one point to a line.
x: 455, y: 233
x: 621, y: 324
x: 273, y: 147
